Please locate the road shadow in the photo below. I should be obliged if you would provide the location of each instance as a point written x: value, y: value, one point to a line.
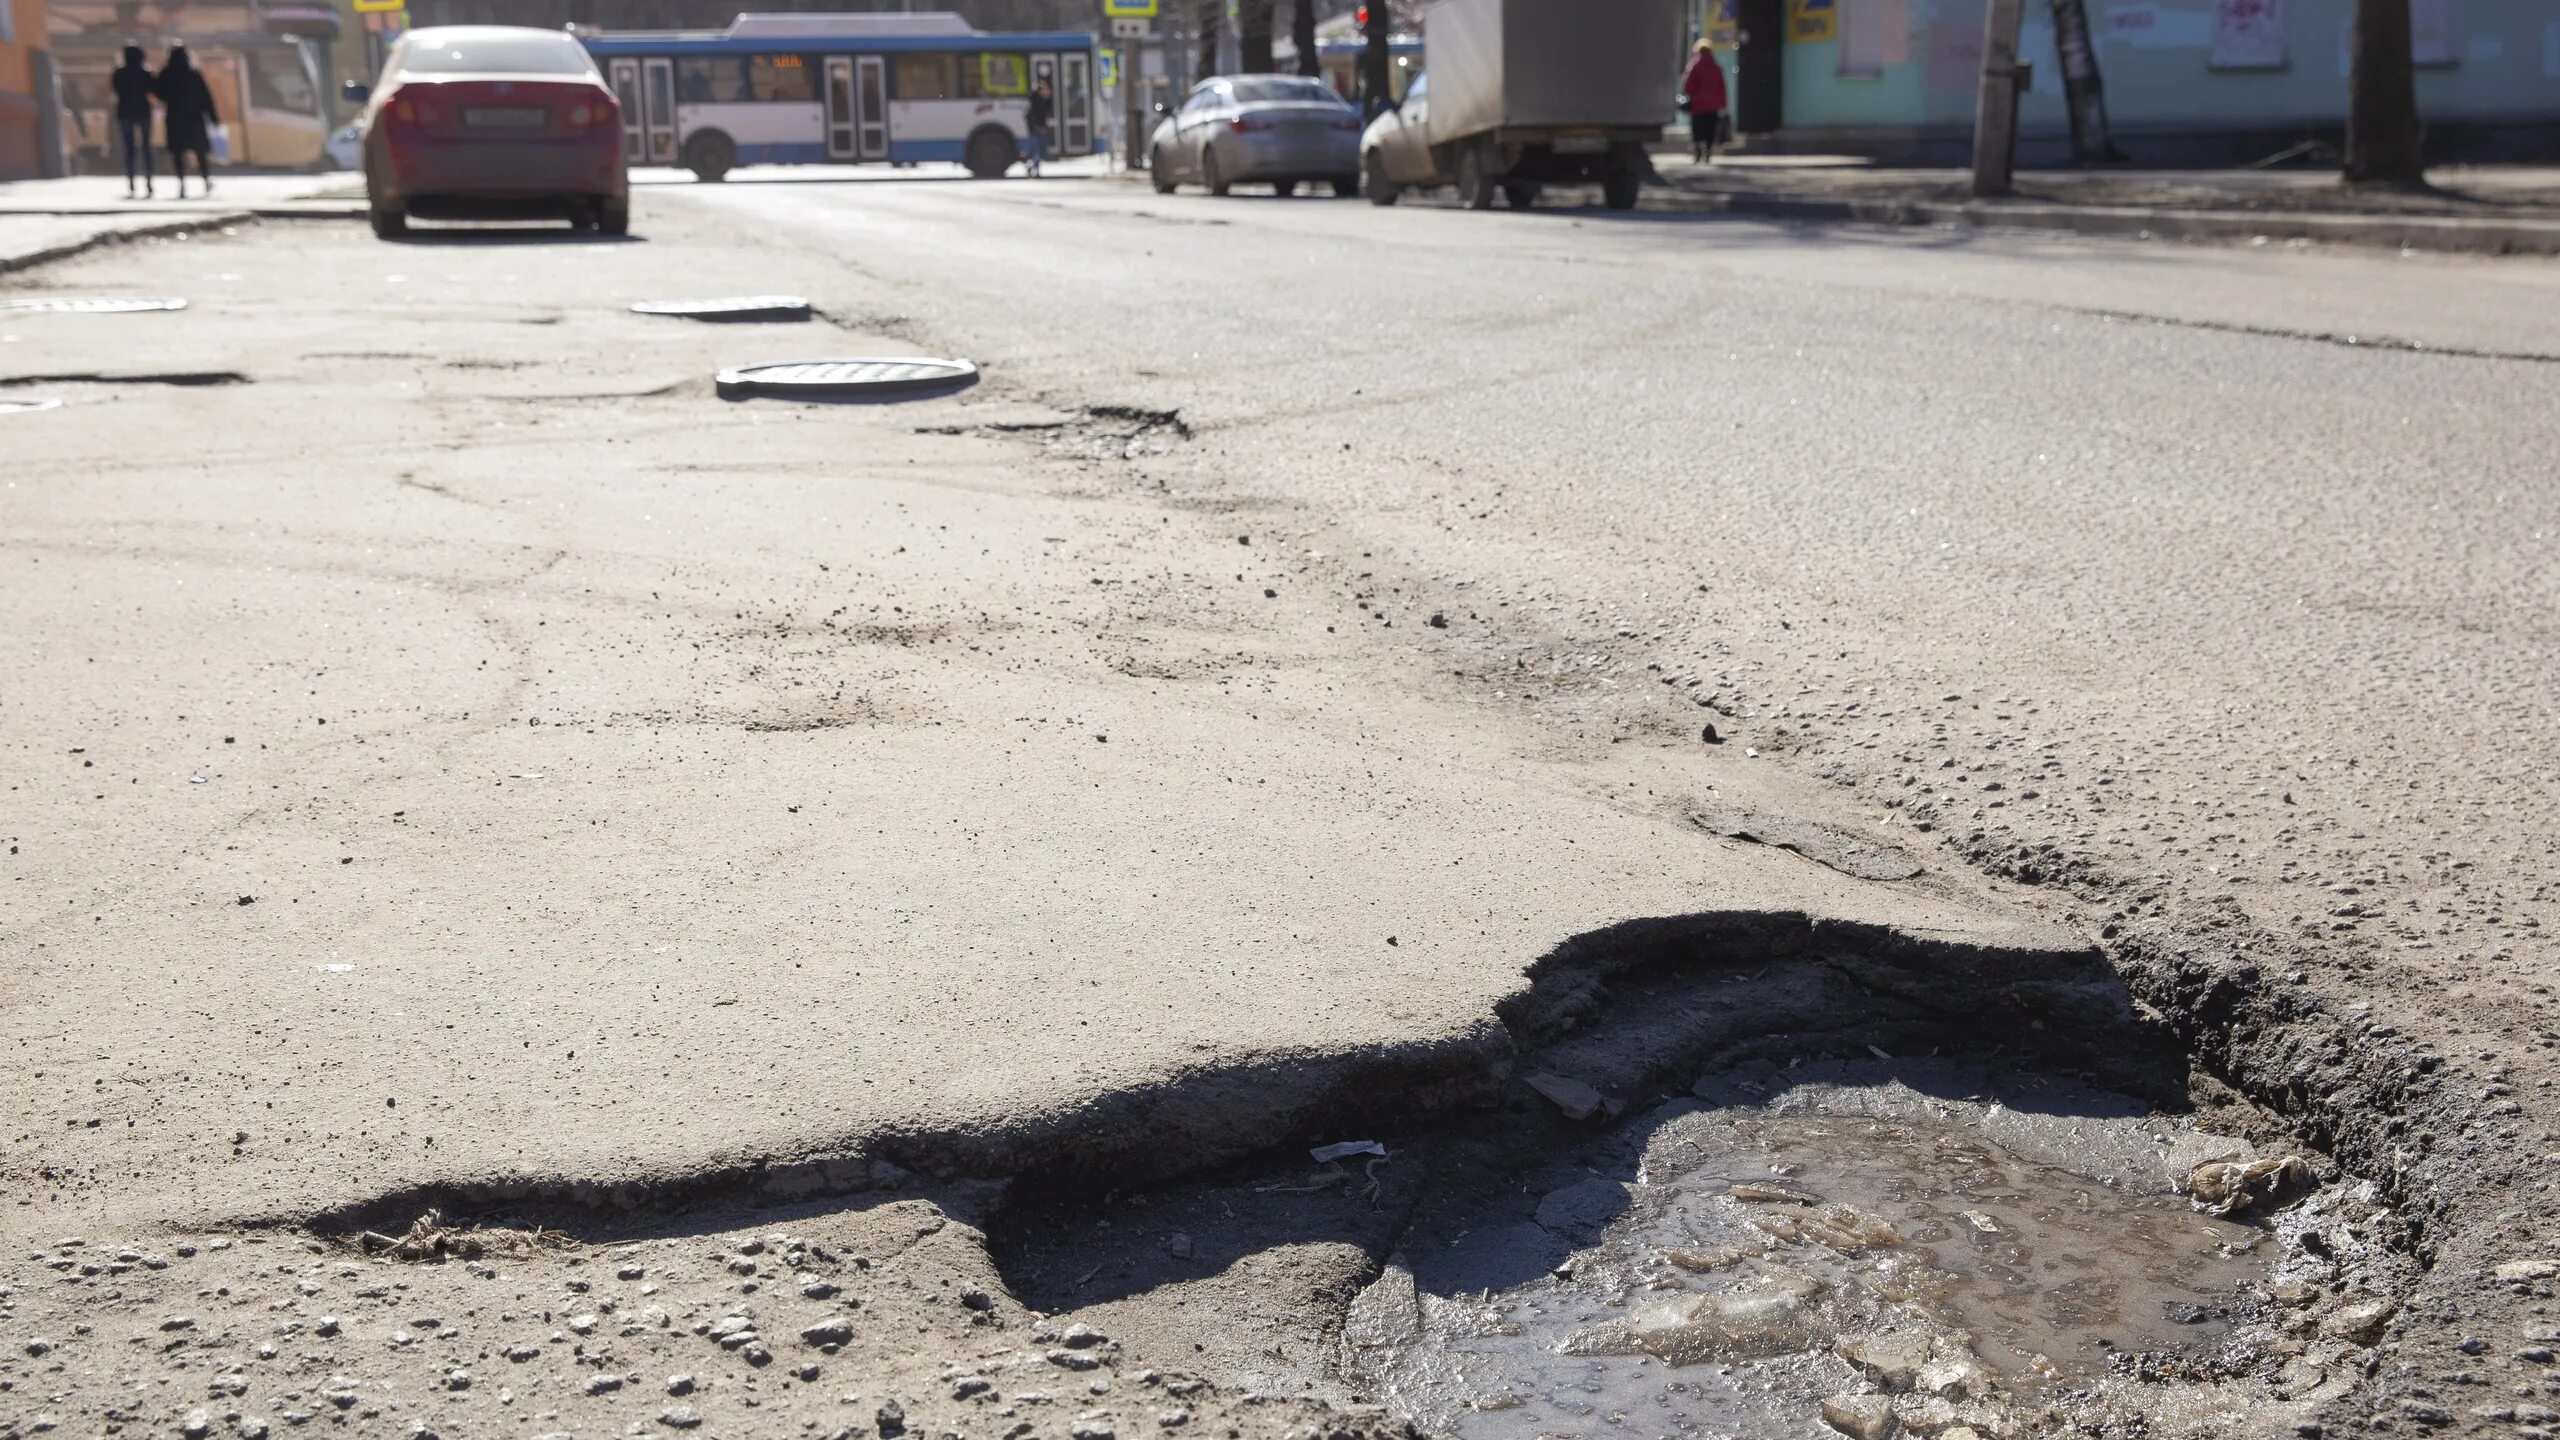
x: 493, y: 235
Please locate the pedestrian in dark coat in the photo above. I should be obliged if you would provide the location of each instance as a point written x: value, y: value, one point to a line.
x: 1035, y: 125
x: 186, y: 117
x: 1702, y: 95
x: 132, y: 83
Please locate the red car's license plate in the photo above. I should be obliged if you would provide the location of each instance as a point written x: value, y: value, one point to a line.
x: 505, y: 117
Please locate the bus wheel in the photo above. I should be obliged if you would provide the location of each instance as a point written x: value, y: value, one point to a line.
x: 709, y: 156
x: 991, y: 152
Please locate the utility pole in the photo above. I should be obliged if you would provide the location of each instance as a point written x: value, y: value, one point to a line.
x: 1995, y: 112
x: 1377, y: 22
x: 2382, y: 100
x: 2083, y: 90
x: 1302, y: 34
x: 1212, y: 16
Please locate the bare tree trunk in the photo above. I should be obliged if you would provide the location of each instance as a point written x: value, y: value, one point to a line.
x: 2084, y: 91
x: 1253, y: 35
x: 2382, y: 99
x: 1302, y: 33
x: 1212, y: 17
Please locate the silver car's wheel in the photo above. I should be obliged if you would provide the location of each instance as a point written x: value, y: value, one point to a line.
x: 1160, y: 171
x: 1211, y: 178
x: 1374, y: 181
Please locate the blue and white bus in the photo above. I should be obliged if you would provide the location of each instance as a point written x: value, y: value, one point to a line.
x: 843, y: 89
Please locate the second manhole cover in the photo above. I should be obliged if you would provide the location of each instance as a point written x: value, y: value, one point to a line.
x: 95, y: 304
x: 825, y: 379
x: 731, y: 307
x: 20, y: 405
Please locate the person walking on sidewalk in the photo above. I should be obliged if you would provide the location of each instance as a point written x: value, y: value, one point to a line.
x: 1035, y: 119
x: 133, y: 85
x: 187, y: 117
x: 1702, y: 95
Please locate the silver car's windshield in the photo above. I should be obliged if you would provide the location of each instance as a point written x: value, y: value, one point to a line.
x: 499, y: 55
x: 1285, y: 90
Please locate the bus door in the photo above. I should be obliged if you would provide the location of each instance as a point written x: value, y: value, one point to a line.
x: 1075, y: 103
x: 871, y: 105
x: 658, y: 85
x: 840, y: 116
x: 626, y: 90
x: 1044, y: 71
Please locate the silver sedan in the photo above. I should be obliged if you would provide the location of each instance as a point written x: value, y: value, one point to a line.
x: 1279, y: 130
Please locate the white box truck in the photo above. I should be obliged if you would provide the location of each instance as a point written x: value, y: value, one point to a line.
x: 1521, y: 93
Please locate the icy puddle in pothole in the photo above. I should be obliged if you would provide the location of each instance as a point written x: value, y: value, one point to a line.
x: 1744, y: 1259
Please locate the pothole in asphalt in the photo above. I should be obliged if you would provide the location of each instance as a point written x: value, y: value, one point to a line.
x: 1799, y: 1243
x: 1871, y: 1247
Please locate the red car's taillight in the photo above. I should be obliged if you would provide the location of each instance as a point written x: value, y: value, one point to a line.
x: 414, y: 112
x: 595, y: 112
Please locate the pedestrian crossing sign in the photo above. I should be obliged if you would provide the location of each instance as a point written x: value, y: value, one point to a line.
x: 1129, y: 9
x: 380, y: 7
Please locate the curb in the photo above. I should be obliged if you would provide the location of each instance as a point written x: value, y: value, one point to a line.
x: 211, y: 220
x: 29, y: 259
x: 2436, y: 233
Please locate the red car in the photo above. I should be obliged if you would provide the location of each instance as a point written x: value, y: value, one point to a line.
x: 493, y: 122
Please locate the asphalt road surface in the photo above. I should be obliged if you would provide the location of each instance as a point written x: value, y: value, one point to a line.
x: 462, y: 761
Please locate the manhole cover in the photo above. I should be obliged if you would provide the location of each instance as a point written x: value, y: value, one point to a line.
x: 819, y: 379
x: 19, y: 406
x: 95, y: 304
x: 732, y: 307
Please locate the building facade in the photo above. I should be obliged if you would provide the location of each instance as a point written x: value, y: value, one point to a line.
x: 27, y: 131
x: 2186, y: 81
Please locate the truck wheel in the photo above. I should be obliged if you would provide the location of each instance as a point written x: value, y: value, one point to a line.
x: 1284, y: 188
x: 1210, y: 177
x: 1159, y: 172
x: 1520, y: 194
x: 991, y: 152
x: 1475, y: 184
x: 710, y: 156
x: 1374, y: 181
x: 1620, y: 188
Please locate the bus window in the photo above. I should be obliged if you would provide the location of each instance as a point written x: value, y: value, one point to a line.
x: 993, y: 76
x: 709, y: 80
x: 928, y: 77
x: 781, y: 78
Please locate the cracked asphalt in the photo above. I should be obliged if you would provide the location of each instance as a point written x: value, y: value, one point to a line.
x: 469, y: 762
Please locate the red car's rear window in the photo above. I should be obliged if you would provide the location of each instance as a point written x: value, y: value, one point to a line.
x: 500, y: 55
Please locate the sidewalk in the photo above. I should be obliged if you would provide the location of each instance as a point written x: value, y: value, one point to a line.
x: 2478, y: 209
x: 44, y: 220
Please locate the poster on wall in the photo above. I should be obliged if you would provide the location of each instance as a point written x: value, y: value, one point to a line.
x: 1718, y: 25
x: 2435, y: 32
x: 2248, y: 35
x: 1810, y: 22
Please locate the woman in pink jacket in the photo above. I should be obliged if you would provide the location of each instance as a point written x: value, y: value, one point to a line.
x: 1702, y: 95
